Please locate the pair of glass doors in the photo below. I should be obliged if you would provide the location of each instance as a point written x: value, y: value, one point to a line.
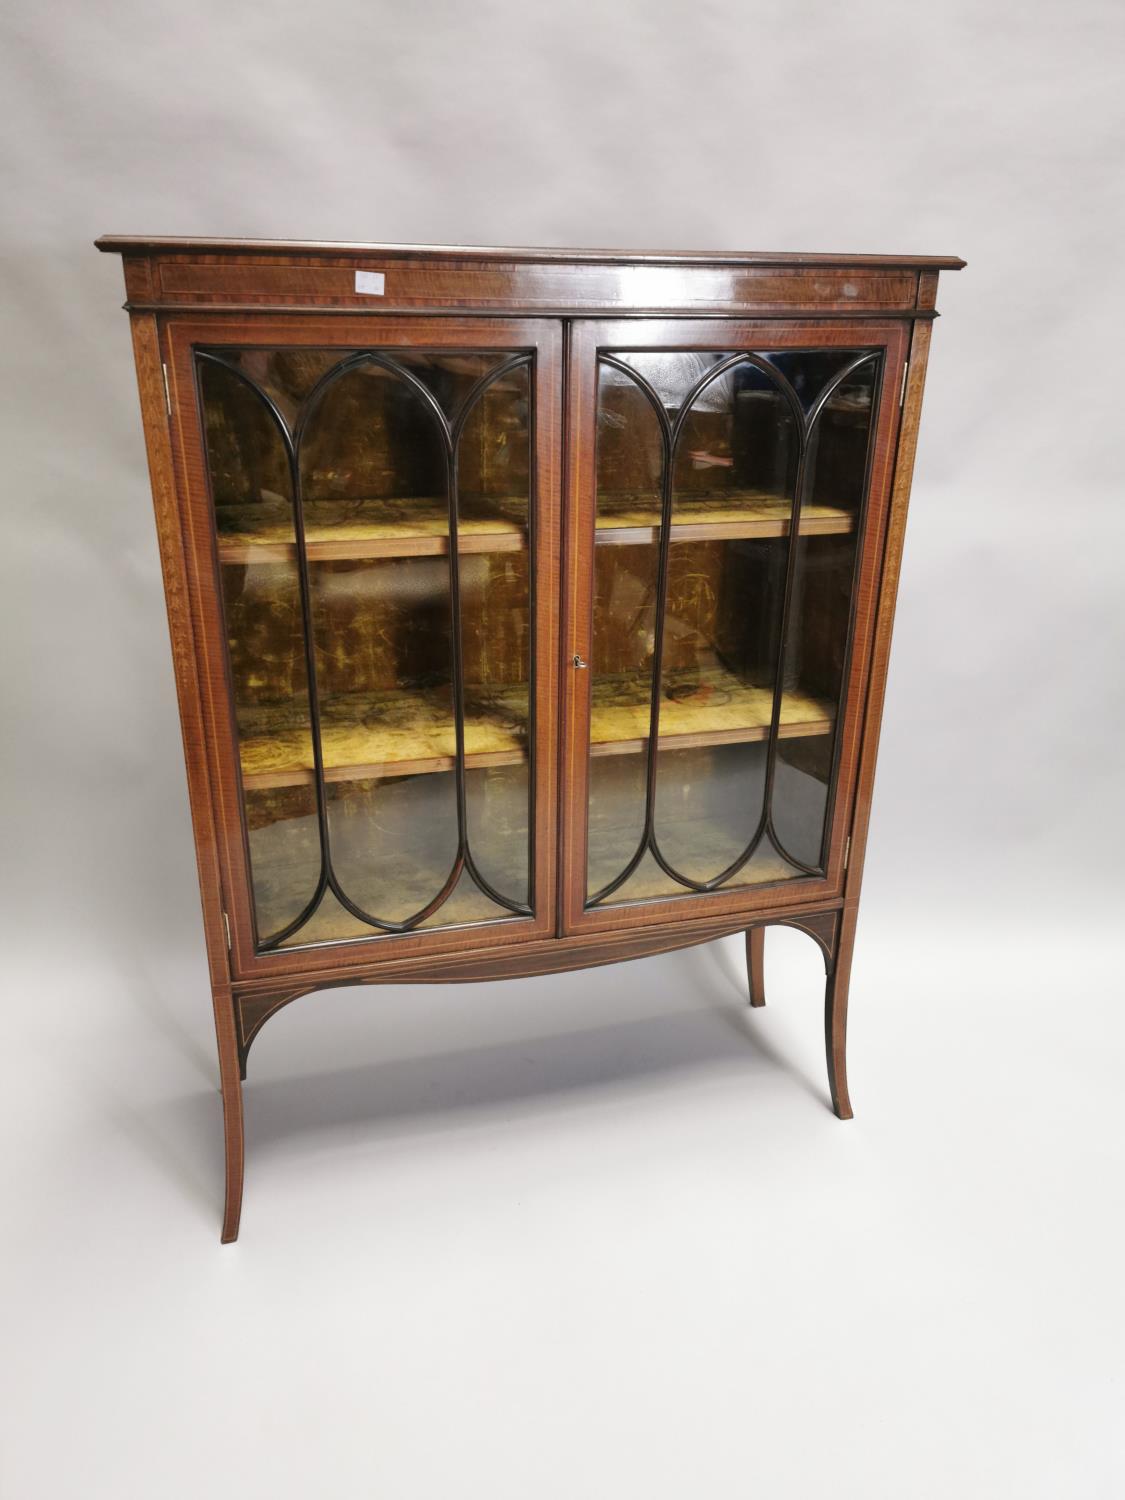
x: 450, y: 717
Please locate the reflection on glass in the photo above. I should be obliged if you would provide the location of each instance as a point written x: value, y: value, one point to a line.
x: 690, y: 618
x: 820, y: 614
x: 494, y: 467
x: 374, y: 824
x: 262, y: 600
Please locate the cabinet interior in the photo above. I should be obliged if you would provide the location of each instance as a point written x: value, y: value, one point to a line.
x: 756, y: 623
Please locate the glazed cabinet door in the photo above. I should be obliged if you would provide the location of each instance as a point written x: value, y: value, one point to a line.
x: 371, y: 527
x: 728, y: 491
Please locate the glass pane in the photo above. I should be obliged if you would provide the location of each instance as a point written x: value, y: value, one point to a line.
x: 281, y: 826
x: 809, y: 371
x: 250, y: 474
x: 494, y: 477
x: 734, y: 466
x: 382, y: 443
x: 742, y: 765
x: 629, y: 468
x: 820, y: 615
x: 371, y: 472
x: 649, y: 881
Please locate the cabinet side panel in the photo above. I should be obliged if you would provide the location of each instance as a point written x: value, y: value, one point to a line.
x: 150, y: 380
x: 888, y: 595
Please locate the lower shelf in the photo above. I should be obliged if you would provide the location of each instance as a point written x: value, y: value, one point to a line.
x: 405, y: 734
x: 393, y: 844
x: 648, y: 881
x: 331, y: 923
x: 393, y: 841
x: 708, y: 811
x: 383, y: 734
x: 706, y: 706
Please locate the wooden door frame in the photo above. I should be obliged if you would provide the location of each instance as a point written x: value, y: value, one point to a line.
x: 587, y: 336
x: 215, y: 747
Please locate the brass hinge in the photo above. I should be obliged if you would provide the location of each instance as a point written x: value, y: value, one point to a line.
x: 167, y: 397
x: 226, y: 928
x: 902, y: 393
x: 847, y: 851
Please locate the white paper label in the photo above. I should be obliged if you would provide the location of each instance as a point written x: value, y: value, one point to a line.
x: 370, y: 282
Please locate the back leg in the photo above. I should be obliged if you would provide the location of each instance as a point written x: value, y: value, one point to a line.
x: 756, y: 964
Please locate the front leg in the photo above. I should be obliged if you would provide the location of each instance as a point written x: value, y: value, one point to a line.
x: 836, y: 1015
x: 231, y: 1088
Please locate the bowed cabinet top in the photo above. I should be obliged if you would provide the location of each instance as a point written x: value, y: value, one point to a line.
x: 321, y: 276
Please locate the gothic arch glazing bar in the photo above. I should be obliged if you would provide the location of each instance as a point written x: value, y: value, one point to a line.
x: 293, y: 434
x: 793, y: 403
x: 800, y: 545
x: 870, y: 360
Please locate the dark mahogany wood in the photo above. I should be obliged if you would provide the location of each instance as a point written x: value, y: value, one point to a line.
x: 131, y: 244
x: 253, y: 275
x: 564, y: 305
x: 756, y: 965
x: 839, y: 969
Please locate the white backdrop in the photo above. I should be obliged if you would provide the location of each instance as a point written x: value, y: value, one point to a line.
x: 987, y: 1036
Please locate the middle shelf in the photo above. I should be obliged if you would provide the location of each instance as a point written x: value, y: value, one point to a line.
x: 418, y: 526
x: 364, y: 736
x: 337, y: 530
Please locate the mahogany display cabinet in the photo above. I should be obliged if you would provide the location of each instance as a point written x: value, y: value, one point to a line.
x: 530, y: 609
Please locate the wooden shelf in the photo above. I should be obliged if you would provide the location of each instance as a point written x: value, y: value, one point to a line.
x: 364, y: 736
x: 396, y: 886
x: 700, y: 848
x: 632, y: 520
x: 707, y: 706
x: 417, y: 526
x: 404, y: 888
x: 393, y: 853
x: 408, y: 734
x: 411, y: 526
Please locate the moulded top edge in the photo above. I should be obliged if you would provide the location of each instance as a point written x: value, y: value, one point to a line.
x: 126, y: 244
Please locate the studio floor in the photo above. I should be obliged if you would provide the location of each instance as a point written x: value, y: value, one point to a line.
x: 587, y: 1235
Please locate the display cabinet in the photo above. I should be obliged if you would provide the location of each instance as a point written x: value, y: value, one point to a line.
x: 530, y: 609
